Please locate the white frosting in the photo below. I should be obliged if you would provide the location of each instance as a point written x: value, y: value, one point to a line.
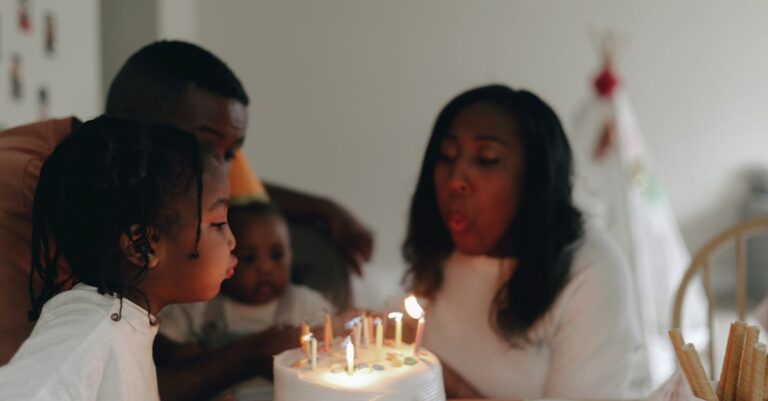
x: 422, y: 381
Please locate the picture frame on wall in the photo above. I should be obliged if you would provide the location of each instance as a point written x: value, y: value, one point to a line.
x: 43, y: 103
x: 49, y: 33
x: 15, y: 78
x: 24, y: 16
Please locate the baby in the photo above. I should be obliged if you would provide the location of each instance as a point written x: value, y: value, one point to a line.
x: 259, y: 296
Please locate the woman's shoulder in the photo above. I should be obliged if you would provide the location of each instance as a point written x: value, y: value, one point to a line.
x: 599, y: 282
x: 596, y: 251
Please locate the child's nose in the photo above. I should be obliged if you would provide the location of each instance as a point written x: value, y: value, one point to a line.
x: 231, y: 241
x: 264, y: 267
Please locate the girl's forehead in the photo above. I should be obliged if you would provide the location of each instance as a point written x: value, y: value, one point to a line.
x: 215, y: 183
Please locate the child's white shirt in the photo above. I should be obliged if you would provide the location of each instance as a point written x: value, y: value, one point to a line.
x: 220, y: 321
x: 78, y: 352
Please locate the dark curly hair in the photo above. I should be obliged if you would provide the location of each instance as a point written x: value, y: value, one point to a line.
x: 544, y: 229
x: 154, y: 79
x: 109, y: 175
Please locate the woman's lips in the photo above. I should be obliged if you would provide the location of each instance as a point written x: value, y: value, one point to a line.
x: 457, y: 222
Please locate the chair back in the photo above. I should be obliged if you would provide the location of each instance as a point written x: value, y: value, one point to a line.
x: 736, y: 235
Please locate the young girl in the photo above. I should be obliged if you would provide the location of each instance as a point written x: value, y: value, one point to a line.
x: 139, y: 216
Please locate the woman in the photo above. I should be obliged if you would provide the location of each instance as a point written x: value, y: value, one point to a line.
x: 524, y: 302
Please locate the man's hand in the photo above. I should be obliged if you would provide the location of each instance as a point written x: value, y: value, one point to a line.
x: 276, y: 340
x: 351, y: 238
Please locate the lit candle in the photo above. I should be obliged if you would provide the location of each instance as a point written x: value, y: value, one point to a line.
x: 417, y: 341
x: 313, y: 348
x: 305, y: 344
x: 398, y: 328
x: 350, y: 357
x: 327, y: 334
x: 379, y: 340
x: 415, y: 311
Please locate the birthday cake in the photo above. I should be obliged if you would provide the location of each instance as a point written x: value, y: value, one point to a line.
x: 385, y: 374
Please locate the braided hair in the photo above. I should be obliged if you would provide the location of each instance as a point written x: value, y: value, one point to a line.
x: 111, y: 176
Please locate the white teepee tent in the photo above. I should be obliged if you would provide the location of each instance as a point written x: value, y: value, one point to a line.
x: 618, y: 189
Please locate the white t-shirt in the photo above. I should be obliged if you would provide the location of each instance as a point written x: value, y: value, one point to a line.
x: 77, y: 352
x: 220, y: 321
x: 587, y: 346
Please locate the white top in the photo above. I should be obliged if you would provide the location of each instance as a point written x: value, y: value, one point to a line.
x: 585, y: 347
x: 222, y: 320
x: 77, y: 352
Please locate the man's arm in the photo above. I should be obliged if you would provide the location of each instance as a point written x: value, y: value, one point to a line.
x: 353, y: 240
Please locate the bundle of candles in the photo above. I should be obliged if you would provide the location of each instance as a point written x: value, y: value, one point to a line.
x: 743, y: 375
x: 364, y: 331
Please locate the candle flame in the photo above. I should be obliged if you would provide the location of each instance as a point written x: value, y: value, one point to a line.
x: 377, y: 321
x: 395, y: 315
x: 413, y: 308
x: 306, y: 338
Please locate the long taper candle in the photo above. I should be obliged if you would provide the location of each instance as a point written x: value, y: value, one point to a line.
x: 414, y: 309
x: 379, y: 340
x: 327, y: 334
x: 313, y: 352
x: 356, y: 336
x: 304, y: 339
x: 398, y: 328
x: 417, y: 342
x: 350, y: 358
x: 366, y: 336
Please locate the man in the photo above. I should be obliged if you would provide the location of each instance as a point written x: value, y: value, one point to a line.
x: 184, y: 85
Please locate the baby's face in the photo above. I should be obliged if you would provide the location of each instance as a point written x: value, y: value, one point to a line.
x: 264, y: 258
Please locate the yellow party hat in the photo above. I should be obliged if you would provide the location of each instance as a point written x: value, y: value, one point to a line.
x: 244, y: 186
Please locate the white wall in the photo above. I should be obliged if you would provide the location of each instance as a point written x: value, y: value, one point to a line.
x: 344, y: 92
x: 126, y: 26
x: 71, y: 74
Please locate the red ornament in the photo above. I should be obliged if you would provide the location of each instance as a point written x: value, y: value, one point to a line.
x: 605, y: 82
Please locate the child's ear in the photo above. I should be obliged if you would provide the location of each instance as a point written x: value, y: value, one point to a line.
x: 136, y: 245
